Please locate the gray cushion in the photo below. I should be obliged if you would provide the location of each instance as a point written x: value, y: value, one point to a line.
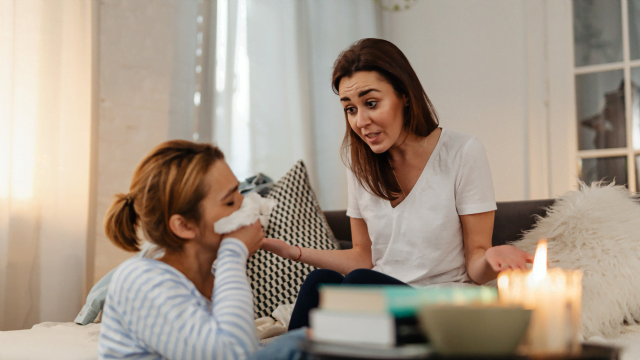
x: 515, y: 217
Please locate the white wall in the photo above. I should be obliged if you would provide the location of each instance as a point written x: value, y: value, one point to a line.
x: 471, y: 59
x: 147, y: 56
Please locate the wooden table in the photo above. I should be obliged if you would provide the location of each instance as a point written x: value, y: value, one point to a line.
x: 321, y: 351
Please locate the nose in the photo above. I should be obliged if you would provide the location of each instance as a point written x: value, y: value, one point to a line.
x: 362, y: 119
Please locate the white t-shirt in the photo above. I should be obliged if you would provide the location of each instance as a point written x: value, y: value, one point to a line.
x: 420, y: 240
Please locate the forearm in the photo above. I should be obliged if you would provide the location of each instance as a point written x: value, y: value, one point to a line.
x: 342, y: 261
x: 478, y: 268
x: 233, y: 300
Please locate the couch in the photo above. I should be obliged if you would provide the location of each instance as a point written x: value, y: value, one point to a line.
x: 512, y: 218
x: 74, y: 342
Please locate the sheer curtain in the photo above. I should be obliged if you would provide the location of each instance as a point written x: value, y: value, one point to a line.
x: 273, y: 100
x: 45, y: 132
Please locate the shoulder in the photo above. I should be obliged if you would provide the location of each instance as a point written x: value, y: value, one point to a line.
x: 352, y: 182
x: 138, y: 266
x: 460, y: 145
x: 136, y: 273
x: 457, y: 140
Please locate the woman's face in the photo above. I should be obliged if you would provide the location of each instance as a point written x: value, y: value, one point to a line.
x: 374, y: 109
x: 222, y: 199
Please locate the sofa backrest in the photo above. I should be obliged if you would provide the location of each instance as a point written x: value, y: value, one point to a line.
x: 512, y: 219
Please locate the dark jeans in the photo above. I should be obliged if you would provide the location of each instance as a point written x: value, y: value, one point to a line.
x: 308, y: 297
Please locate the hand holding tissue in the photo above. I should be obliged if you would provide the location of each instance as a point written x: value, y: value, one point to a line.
x: 253, y: 207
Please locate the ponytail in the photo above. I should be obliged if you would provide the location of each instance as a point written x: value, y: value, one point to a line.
x: 168, y: 181
x: 120, y: 223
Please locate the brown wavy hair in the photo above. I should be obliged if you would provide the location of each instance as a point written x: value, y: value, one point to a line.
x: 168, y: 181
x: 372, y: 170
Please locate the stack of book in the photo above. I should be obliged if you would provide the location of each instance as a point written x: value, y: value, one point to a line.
x: 383, y: 316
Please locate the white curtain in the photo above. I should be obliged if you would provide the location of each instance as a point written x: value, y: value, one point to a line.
x: 274, y: 103
x: 45, y: 132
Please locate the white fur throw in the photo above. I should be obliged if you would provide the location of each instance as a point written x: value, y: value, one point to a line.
x: 597, y: 230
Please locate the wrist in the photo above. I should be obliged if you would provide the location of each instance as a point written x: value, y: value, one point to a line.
x: 485, y: 259
x: 295, y: 253
x: 488, y: 253
x: 239, y: 245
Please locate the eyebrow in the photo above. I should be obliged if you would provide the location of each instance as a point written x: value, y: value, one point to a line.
x: 361, y: 94
x: 230, y: 191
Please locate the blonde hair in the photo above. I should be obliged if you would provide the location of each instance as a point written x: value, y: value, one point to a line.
x: 168, y: 181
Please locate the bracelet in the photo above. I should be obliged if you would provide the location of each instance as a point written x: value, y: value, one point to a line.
x: 299, y: 256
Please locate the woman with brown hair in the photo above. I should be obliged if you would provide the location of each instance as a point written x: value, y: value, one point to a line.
x: 421, y: 197
x: 171, y: 308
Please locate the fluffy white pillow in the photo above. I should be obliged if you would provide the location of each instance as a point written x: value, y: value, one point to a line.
x: 597, y: 230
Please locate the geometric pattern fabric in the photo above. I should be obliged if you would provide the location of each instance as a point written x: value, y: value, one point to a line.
x: 298, y: 220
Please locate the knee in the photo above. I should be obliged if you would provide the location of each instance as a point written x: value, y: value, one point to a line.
x: 358, y: 276
x: 323, y: 276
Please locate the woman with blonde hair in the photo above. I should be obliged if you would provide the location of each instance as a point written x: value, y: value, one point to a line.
x: 175, y: 307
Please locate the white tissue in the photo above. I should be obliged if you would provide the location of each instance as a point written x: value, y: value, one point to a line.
x: 253, y: 207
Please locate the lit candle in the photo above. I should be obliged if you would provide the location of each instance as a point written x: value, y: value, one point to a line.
x: 554, y: 295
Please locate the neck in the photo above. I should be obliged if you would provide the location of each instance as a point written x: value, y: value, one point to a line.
x: 195, y: 263
x: 407, y: 148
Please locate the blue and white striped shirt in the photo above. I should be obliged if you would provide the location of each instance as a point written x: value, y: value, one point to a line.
x: 153, y: 311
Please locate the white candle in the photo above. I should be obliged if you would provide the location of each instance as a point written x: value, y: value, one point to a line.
x: 554, y: 295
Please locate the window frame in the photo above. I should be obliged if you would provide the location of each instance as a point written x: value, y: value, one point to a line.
x: 626, y: 65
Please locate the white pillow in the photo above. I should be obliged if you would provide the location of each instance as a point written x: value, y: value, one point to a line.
x: 597, y: 230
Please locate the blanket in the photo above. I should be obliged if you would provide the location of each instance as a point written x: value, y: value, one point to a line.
x: 70, y: 341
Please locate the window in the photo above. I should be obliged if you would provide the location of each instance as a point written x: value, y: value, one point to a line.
x: 606, y: 35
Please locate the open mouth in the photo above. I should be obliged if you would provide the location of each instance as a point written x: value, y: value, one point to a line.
x: 372, y: 136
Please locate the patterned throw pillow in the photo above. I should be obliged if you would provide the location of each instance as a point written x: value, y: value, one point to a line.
x: 298, y: 220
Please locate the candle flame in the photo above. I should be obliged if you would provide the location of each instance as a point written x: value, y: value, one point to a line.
x: 539, y: 270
